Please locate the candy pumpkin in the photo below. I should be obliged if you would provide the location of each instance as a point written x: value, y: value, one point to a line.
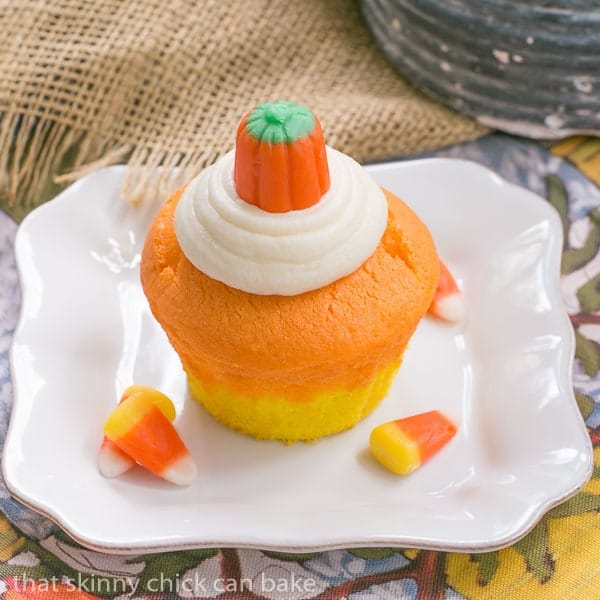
x: 280, y: 160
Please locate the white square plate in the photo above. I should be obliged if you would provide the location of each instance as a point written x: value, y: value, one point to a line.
x: 504, y: 376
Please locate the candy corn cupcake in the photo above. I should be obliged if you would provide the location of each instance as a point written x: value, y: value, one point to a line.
x: 287, y: 281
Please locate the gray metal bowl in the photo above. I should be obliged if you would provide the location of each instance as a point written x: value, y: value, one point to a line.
x: 523, y: 67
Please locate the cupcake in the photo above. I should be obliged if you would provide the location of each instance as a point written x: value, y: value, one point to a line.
x: 287, y: 281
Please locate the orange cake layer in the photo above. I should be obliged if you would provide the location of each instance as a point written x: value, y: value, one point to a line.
x: 336, y: 337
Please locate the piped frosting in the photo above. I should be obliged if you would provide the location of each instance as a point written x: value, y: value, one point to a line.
x: 284, y: 253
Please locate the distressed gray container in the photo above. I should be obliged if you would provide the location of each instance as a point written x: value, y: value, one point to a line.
x: 530, y: 68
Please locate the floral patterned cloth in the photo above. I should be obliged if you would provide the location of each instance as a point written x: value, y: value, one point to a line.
x: 558, y: 559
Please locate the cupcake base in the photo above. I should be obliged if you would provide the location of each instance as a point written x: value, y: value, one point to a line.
x: 274, y: 418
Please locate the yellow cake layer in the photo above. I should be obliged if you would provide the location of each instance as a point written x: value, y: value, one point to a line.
x: 270, y: 417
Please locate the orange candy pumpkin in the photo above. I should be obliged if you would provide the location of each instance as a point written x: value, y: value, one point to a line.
x: 280, y: 160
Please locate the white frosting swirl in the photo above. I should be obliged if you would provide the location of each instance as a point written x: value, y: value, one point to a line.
x: 287, y: 253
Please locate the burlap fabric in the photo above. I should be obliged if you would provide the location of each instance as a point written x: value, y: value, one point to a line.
x: 87, y: 83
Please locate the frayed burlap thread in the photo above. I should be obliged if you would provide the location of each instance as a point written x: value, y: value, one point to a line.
x: 85, y: 84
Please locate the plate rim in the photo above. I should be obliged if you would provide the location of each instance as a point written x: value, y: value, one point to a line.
x: 395, y: 541
x: 381, y: 542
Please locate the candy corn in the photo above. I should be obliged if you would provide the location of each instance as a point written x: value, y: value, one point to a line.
x: 140, y: 426
x: 448, y: 302
x: 112, y: 461
x: 405, y: 444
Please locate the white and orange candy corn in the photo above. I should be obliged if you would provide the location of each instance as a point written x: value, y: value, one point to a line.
x: 403, y: 445
x: 140, y: 426
x: 448, y: 302
x: 112, y: 461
